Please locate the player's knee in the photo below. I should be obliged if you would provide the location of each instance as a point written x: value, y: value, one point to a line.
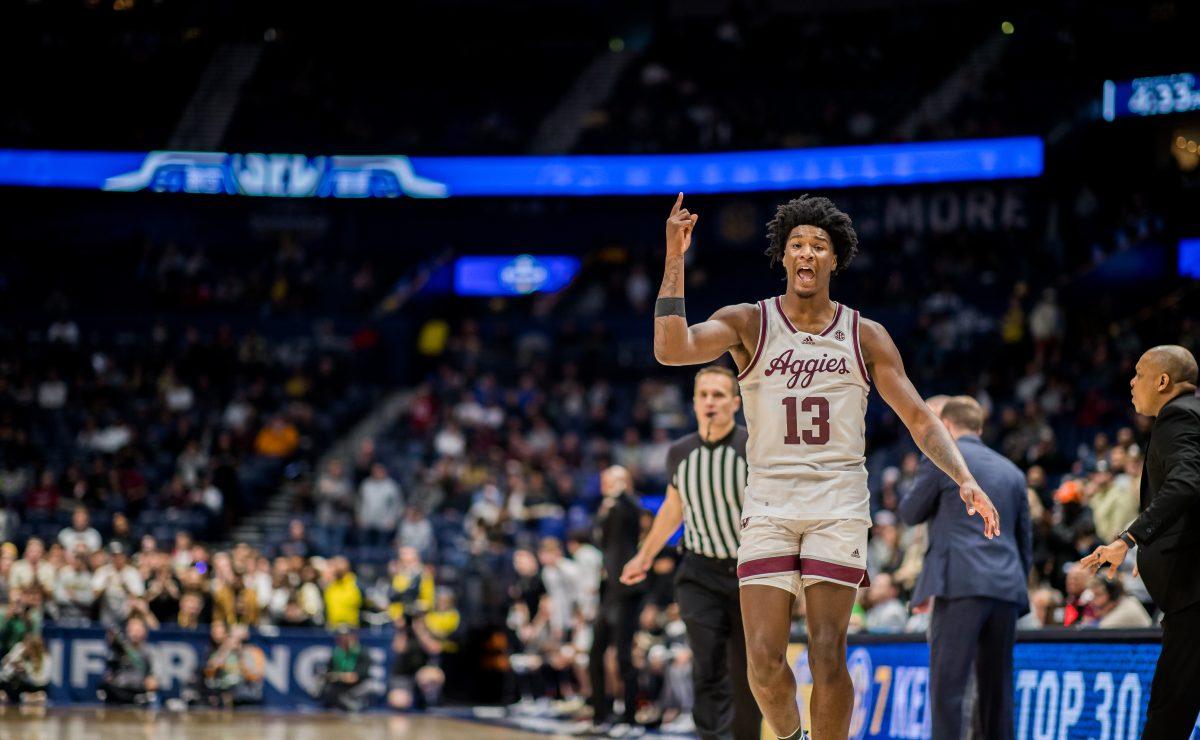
x: 826, y: 657
x: 763, y: 659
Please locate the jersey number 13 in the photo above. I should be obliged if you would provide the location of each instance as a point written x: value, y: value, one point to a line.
x: 818, y: 431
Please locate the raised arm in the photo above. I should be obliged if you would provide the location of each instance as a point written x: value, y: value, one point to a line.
x: 887, y: 370
x: 676, y: 343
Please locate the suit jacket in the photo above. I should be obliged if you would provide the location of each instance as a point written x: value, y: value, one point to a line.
x: 960, y: 561
x: 1168, y: 529
x: 617, y: 533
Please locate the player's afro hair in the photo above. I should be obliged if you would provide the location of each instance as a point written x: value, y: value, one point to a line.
x: 812, y: 210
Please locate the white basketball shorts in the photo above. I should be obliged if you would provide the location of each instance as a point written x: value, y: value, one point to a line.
x: 793, y: 554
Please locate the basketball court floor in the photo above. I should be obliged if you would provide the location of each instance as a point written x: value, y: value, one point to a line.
x: 27, y: 723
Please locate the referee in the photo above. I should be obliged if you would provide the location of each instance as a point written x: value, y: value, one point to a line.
x: 708, y: 471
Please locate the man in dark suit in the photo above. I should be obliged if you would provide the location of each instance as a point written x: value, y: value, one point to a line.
x: 978, y: 586
x: 618, y: 528
x: 1167, y: 534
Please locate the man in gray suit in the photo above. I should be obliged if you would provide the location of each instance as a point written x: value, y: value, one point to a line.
x: 979, y: 586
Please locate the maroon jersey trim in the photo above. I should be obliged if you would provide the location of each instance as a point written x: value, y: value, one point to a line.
x: 858, y: 351
x: 762, y: 340
x: 787, y: 322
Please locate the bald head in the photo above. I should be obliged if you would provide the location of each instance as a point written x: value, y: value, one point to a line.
x: 1163, y: 373
x: 936, y: 403
x: 1175, y: 361
x: 614, y: 481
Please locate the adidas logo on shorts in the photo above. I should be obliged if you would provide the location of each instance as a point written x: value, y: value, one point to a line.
x: 808, y: 340
x: 855, y: 553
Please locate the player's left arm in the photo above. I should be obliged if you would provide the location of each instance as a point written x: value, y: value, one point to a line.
x: 886, y: 369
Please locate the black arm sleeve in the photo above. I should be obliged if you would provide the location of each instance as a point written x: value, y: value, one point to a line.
x: 1179, y: 434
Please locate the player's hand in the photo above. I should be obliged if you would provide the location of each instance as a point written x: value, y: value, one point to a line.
x: 978, y: 503
x: 635, y: 570
x: 1113, y: 555
x: 679, y: 228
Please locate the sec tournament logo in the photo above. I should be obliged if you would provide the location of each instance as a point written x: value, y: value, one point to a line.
x: 861, y: 674
x: 859, y: 665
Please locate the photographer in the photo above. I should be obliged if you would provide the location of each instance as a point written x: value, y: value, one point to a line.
x: 346, y: 676
x: 129, y: 674
x: 22, y: 617
x: 25, y: 671
x: 232, y: 673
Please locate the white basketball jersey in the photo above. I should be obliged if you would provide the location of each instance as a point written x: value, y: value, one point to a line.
x: 805, y: 399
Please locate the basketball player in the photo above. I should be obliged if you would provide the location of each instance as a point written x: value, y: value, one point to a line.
x: 806, y: 366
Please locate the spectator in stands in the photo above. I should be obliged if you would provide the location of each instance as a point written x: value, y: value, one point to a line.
x: 234, y: 602
x: 128, y: 675
x: 416, y: 532
x: 1044, y: 606
x: 343, y: 599
x: 443, y: 624
x: 1078, y: 609
x: 278, y: 438
x: 297, y: 543
x: 886, y: 614
x: 163, y: 590
x: 414, y: 683
x: 1046, y: 322
x: 1115, y: 503
x: 379, y: 506
x: 345, y: 681
x: 191, y: 611
x: 32, y: 569
x: 74, y: 599
x: 562, y: 578
x: 1112, y: 608
x: 181, y: 552
x: 26, y: 670
x: 115, y: 584
x: 80, y: 532
x: 884, y: 553
x: 335, y: 505
x: 589, y: 561
x: 122, y: 534
x: 41, y: 502
x: 411, y: 590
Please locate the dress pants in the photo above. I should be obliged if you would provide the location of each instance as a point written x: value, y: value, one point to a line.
x: 972, y: 631
x: 616, y: 623
x: 1175, y: 691
x: 707, y: 592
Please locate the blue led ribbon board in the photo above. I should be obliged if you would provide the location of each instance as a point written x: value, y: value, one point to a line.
x: 391, y: 176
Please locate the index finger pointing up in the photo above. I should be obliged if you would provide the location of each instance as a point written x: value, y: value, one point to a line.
x: 678, y: 204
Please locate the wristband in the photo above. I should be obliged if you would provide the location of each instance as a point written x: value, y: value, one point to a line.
x: 668, y: 307
x: 1127, y: 539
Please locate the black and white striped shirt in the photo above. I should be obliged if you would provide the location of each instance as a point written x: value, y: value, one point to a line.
x: 710, y: 478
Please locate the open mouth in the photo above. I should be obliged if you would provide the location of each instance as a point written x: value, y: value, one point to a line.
x: 806, y: 275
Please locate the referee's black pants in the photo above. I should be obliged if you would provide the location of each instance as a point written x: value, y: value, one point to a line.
x: 706, y: 590
x: 1175, y: 691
